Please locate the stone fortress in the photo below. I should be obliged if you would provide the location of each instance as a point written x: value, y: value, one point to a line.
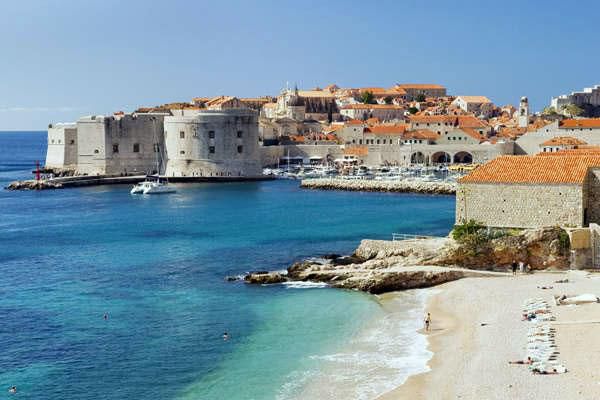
x: 179, y: 140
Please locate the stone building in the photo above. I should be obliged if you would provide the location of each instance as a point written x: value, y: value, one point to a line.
x: 384, y: 112
x: 587, y: 96
x: 213, y: 143
x: 413, y: 90
x: 584, y: 129
x: 478, y: 105
x: 561, y: 143
x: 62, y: 146
x: 532, y: 192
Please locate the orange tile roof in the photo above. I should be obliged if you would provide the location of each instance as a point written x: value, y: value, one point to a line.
x: 420, y: 86
x: 424, y: 134
x: 373, y: 121
x: 396, y: 129
x: 563, y: 141
x: 354, y: 122
x: 461, y: 121
x: 475, y: 99
x: 356, y: 150
x: 473, y: 133
x: 580, y: 123
x: 567, y: 169
x: 361, y: 106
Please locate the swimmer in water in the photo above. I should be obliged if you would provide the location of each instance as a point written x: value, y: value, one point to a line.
x: 225, y: 336
x: 105, y: 316
x: 13, y: 389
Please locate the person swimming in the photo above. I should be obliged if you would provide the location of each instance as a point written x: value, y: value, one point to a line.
x: 225, y: 336
x: 13, y: 389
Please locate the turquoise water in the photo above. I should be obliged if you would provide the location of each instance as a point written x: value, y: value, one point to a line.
x: 156, y: 266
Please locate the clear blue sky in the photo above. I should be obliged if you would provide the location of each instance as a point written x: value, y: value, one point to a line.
x: 62, y: 59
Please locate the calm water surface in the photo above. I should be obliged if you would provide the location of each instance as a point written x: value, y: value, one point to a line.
x: 156, y: 266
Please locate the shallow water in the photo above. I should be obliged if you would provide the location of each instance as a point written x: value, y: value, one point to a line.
x: 156, y: 266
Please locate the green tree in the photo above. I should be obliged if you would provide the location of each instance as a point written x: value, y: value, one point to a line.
x: 413, y: 110
x: 572, y: 110
x: 420, y: 97
x: 388, y: 100
x: 549, y: 111
x: 367, y: 97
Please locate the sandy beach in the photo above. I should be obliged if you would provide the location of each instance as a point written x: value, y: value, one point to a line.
x: 471, y: 360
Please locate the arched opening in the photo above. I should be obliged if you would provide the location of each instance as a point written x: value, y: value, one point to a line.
x: 462, y: 157
x: 417, y: 158
x: 441, y: 157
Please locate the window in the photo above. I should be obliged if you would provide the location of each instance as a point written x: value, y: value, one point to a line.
x: 136, y: 147
x: 72, y: 141
x: 211, y: 149
x: 96, y: 151
x: 115, y: 148
x: 52, y: 141
x: 211, y: 134
x: 240, y: 149
x: 156, y: 148
x: 240, y: 134
x: 182, y: 152
x: 182, y: 135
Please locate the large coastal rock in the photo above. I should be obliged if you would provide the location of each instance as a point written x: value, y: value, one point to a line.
x: 543, y: 248
x: 33, y: 185
x: 372, y: 185
x: 379, y: 266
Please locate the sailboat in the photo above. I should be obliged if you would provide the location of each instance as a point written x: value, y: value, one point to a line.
x: 153, y: 186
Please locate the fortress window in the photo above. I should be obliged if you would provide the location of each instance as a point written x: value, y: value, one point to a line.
x: 72, y: 141
x: 211, y: 135
x: 96, y: 151
x: 240, y: 134
x: 156, y: 148
x: 136, y: 147
x: 115, y: 148
x: 211, y: 149
x: 182, y: 152
x: 240, y: 149
x: 52, y: 141
x: 182, y: 135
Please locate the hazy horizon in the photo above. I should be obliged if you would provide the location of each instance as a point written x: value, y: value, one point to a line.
x: 71, y: 58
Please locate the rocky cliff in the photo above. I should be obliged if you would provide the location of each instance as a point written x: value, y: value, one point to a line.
x: 379, y: 266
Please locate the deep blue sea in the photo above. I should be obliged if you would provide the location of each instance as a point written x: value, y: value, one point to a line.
x: 156, y: 266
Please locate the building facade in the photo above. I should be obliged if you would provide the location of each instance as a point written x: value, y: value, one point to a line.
x: 62, y: 146
x: 532, y: 192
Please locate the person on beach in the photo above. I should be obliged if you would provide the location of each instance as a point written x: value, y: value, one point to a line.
x: 527, y: 361
x: 521, y: 266
x: 427, y: 322
x: 514, y: 267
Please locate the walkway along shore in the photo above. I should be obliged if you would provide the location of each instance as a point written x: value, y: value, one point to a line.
x: 372, y: 185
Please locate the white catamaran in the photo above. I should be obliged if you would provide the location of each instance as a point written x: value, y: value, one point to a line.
x: 153, y: 184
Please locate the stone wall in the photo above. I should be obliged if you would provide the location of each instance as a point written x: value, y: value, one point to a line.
x: 520, y: 206
x: 122, y: 145
x: 62, y: 146
x: 213, y: 143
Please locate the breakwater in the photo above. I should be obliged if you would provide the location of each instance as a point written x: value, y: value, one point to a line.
x: 372, y: 185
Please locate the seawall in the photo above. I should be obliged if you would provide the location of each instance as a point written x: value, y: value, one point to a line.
x: 371, y: 185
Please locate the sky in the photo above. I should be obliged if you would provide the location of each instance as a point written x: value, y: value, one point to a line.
x: 61, y: 59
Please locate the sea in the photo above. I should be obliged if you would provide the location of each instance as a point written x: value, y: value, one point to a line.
x: 107, y: 295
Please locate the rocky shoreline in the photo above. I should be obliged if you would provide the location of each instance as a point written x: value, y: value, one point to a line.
x: 33, y: 185
x: 371, y: 185
x: 379, y: 266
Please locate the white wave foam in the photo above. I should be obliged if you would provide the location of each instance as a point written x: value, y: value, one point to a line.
x: 304, y: 285
x: 377, y: 360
